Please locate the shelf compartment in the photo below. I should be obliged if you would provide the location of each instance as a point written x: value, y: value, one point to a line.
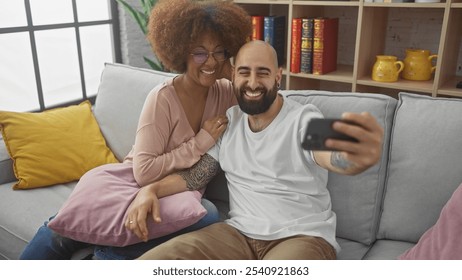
x: 449, y: 88
x: 348, y: 25
x: 450, y: 58
x: 403, y: 85
x: 296, y: 81
x: 344, y: 74
x: 379, y: 36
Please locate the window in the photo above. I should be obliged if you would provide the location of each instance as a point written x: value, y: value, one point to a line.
x: 52, y: 52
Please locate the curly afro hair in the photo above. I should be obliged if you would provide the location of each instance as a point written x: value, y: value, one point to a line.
x: 174, y: 25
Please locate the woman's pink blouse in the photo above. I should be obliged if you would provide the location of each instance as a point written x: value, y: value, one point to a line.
x: 165, y: 141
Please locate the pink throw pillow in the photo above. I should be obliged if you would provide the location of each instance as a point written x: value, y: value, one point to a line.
x: 96, y: 210
x: 443, y: 241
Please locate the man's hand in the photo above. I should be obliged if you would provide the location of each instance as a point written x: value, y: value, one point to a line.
x: 352, y: 158
x: 145, y: 202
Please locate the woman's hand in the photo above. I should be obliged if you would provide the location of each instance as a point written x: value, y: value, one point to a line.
x: 216, y: 126
x: 145, y: 202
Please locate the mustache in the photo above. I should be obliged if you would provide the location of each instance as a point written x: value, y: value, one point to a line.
x: 247, y: 88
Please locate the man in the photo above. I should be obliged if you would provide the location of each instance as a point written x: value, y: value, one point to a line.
x: 280, y: 207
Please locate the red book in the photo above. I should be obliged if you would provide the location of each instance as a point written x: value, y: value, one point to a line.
x: 295, y: 46
x: 257, y: 27
x: 325, y: 41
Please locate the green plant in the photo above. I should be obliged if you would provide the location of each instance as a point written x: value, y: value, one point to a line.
x: 142, y: 18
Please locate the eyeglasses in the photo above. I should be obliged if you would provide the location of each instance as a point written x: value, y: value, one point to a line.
x: 201, y: 56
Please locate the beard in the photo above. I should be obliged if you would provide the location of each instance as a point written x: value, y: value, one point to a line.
x: 255, y: 107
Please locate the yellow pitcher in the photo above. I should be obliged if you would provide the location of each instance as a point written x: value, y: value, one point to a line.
x: 386, y: 68
x: 418, y: 65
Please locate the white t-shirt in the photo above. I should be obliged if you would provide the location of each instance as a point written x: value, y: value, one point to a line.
x: 276, y: 190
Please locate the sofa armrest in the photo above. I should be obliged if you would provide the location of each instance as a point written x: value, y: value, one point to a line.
x: 6, y: 165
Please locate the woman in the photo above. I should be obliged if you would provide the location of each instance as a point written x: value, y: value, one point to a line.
x: 181, y: 119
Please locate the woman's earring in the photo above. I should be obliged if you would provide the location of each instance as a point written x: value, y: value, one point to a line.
x: 279, y: 85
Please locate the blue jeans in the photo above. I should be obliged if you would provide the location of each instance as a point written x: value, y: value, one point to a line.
x: 48, y: 245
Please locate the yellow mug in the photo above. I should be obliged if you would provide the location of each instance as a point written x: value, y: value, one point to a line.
x: 418, y: 65
x: 386, y: 68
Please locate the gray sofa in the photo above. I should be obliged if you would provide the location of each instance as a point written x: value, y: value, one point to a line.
x: 381, y: 212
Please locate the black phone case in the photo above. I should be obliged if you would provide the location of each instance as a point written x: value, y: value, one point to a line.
x: 318, y: 131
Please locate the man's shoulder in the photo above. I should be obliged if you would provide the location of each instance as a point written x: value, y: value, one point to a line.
x: 298, y: 108
x: 234, y: 112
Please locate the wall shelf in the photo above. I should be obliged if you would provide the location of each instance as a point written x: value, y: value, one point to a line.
x: 373, y: 31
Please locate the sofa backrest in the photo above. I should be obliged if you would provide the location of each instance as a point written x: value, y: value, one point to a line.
x: 356, y: 200
x: 425, y: 164
x: 120, y: 99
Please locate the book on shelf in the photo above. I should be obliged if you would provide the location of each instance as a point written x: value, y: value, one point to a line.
x: 325, y: 41
x: 274, y: 28
x: 257, y: 28
x: 295, y: 45
x: 306, y: 56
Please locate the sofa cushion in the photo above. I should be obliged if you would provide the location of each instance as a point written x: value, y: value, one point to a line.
x: 54, y: 146
x: 356, y: 199
x: 425, y: 165
x: 351, y: 250
x: 387, y: 250
x: 121, y: 95
x: 22, y: 212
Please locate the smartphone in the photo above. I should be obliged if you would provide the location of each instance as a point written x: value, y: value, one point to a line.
x: 318, y: 131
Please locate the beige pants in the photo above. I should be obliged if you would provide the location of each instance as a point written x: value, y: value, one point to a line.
x: 222, y: 242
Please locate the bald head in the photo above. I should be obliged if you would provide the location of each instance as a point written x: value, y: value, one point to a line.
x: 257, y: 51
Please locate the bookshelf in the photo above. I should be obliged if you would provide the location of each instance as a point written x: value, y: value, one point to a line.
x: 367, y: 29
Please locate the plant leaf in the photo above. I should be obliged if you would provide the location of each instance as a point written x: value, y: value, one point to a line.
x: 144, y: 4
x: 153, y: 65
x: 139, y: 17
x: 142, y: 19
x: 147, y: 6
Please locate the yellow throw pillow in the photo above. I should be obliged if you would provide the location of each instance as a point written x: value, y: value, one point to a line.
x: 54, y: 146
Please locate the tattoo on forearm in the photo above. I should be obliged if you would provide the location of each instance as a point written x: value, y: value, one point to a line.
x: 337, y: 160
x: 201, y: 173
